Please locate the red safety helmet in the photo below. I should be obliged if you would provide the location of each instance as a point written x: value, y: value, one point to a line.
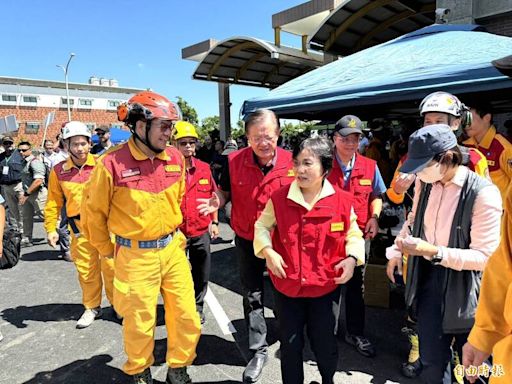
x: 148, y: 105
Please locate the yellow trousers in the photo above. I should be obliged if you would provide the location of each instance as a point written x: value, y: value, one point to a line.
x: 502, y: 354
x: 140, y: 275
x: 90, y: 267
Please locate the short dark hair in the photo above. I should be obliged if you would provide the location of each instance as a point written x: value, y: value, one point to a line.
x: 25, y: 143
x: 260, y: 115
x: 321, y: 147
x: 48, y: 141
x: 482, y: 108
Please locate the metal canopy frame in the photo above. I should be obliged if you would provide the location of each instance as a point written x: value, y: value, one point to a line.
x: 358, y: 24
x: 250, y: 61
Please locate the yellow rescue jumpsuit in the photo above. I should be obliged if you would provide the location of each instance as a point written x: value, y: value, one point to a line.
x: 66, y: 185
x: 138, y: 200
x: 492, y: 331
x: 498, y: 151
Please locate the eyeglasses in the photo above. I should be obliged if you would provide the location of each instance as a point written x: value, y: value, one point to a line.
x: 100, y: 133
x: 348, y: 140
x: 261, y: 139
x: 24, y: 150
x: 185, y: 143
x: 164, y: 125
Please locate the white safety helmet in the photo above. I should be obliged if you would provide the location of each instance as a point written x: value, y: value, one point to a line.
x: 75, y: 128
x: 441, y: 102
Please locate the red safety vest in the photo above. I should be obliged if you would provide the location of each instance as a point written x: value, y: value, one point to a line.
x: 199, y: 184
x: 310, y: 242
x: 359, y: 185
x: 251, y: 189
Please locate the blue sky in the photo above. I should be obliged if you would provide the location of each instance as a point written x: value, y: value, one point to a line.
x: 137, y: 42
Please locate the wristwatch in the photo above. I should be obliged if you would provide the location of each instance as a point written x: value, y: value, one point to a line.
x: 215, y: 223
x: 438, y: 257
x: 355, y: 258
x: 375, y: 216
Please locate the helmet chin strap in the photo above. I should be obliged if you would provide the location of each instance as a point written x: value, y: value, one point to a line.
x: 73, y: 156
x: 146, y: 141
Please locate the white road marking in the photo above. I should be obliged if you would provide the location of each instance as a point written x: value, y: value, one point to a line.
x: 225, y: 324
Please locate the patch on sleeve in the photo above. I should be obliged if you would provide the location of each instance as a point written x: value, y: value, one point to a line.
x: 365, y: 182
x: 291, y: 173
x: 204, y: 181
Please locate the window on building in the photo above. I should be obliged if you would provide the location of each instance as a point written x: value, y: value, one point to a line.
x: 118, y: 126
x: 91, y: 126
x: 65, y: 101
x: 29, y: 99
x: 113, y: 103
x: 85, y: 102
x: 11, y: 98
x: 32, y: 127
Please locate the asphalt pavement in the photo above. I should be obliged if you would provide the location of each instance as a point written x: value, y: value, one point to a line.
x: 40, y: 302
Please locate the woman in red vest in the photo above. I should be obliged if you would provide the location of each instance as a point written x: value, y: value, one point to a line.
x: 311, y: 242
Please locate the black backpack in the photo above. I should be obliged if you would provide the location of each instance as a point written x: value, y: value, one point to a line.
x: 11, y: 249
x: 47, y: 171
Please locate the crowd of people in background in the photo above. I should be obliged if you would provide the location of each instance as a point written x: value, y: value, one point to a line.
x: 305, y: 210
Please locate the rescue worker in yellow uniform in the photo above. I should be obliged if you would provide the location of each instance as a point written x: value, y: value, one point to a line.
x: 441, y: 108
x: 436, y: 108
x: 67, y: 182
x: 496, y: 148
x: 138, y: 189
x: 492, y: 332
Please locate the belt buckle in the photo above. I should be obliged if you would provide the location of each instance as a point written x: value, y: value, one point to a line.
x: 164, y: 241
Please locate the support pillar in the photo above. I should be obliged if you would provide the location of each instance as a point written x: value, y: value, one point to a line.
x: 224, y: 111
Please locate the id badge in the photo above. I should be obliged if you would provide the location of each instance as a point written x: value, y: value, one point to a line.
x: 5, y: 170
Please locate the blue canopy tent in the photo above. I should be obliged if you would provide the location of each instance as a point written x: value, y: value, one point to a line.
x: 116, y: 136
x: 391, y: 78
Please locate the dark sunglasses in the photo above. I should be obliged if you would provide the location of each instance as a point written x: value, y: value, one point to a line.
x: 184, y: 143
x: 98, y: 133
x: 23, y: 150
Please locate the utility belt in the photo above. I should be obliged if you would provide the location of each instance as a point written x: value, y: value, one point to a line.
x: 72, y: 224
x: 147, y: 244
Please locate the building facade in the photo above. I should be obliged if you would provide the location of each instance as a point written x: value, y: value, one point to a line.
x: 30, y: 101
x: 495, y: 16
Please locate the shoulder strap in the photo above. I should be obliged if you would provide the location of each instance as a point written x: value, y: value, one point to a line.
x: 461, y: 227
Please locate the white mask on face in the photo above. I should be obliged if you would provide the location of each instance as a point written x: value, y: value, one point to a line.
x: 431, y: 174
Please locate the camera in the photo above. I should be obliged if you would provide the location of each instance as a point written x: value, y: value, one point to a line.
x: 442, y: 15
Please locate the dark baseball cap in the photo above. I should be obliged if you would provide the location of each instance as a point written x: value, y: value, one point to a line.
x: 7, y: 139
x: 425, y: 144
x: 348, y: 124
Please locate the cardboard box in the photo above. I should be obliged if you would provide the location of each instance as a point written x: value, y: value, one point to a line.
x: 376, y: 286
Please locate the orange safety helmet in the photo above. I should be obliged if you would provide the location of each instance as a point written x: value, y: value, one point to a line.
x: 148, y: 105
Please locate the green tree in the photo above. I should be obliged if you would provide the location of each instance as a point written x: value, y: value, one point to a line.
x: 189, y: 112
x: 209, y: 125
x: 239, y: 130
